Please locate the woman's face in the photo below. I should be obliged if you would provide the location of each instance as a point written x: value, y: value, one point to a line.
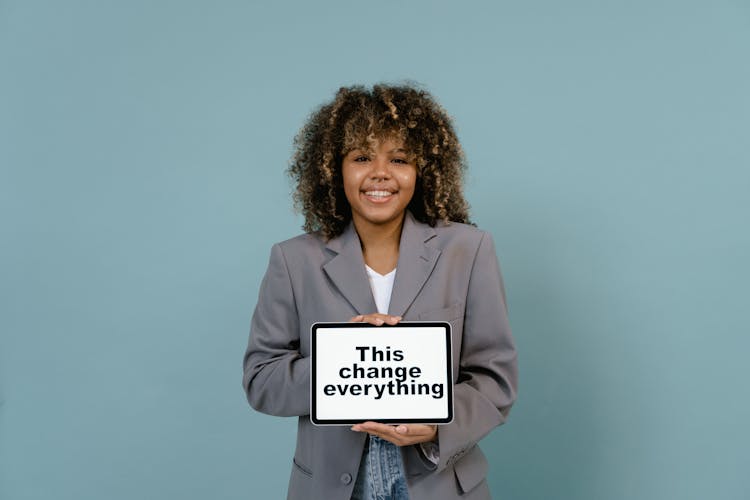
x: 379, y: 184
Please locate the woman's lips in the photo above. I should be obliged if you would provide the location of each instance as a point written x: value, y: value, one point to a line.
x: 378, y: 196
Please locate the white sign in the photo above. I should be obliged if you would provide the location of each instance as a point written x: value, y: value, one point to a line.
x: 389, y: 374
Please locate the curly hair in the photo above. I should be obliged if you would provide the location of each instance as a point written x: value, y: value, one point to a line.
x: 356, y: 119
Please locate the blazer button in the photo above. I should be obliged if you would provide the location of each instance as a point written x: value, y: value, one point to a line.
x: 346, y: 478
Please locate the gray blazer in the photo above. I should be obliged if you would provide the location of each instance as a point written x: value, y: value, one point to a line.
x: 446, y: 273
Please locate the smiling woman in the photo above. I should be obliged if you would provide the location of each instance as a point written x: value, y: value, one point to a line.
x: 378, y: 178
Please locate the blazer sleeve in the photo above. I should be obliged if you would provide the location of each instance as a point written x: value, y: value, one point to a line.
x: 276, y: 377
x: 488, y: 370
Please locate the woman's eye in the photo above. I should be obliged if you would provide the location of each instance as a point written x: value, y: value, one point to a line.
x: 361, y: 158
x: 400, y: 160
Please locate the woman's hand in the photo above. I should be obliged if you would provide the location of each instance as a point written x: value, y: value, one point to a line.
x: 376, y: 319
x: 400, y: 435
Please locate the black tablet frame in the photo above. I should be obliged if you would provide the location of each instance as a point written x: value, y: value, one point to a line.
x: 408, y: 324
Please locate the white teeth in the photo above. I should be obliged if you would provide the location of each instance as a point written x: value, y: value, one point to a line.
x: 378, y: 194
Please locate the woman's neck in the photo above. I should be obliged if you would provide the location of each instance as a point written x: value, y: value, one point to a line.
x: 380, y: 243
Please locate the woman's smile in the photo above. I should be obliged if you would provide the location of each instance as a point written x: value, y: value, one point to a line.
x: 379, y: 196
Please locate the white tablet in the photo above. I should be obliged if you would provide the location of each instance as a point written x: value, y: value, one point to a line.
x: 391, y: 374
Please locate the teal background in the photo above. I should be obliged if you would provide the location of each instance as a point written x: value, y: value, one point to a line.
x: 143, y: 145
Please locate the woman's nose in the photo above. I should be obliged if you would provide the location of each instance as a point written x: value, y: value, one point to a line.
x: 380, y: 169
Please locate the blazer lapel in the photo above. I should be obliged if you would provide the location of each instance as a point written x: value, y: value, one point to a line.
x: 416, y: 260
x: 347, y: 271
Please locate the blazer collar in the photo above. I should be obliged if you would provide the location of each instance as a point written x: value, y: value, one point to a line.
x: 347, y: 271
x: 416, y: 260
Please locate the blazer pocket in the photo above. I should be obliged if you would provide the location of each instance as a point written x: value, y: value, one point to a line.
x: 299, y: 482
x: 450, y: 313
x: 304, y: 470
x: 471, y: 469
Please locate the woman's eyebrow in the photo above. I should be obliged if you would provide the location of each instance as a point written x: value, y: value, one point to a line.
x: 397, y: 150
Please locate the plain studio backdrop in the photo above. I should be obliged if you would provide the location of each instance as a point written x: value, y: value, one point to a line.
x: 143, y: 147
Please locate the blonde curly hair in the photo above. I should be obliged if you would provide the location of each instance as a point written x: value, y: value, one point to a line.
x: 356, y: 119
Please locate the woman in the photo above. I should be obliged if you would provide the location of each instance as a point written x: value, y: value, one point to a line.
x: 378, y: 178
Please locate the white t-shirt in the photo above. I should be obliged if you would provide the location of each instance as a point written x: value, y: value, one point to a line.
x: 382, y: 286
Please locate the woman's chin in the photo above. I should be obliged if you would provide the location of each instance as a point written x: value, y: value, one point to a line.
x: 379, y: 217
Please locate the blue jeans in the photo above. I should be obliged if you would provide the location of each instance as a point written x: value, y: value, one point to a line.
x: 381, y: 472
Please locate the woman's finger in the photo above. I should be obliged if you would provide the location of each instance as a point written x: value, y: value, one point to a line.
x: 376, y: 319
x: 401, y: 435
